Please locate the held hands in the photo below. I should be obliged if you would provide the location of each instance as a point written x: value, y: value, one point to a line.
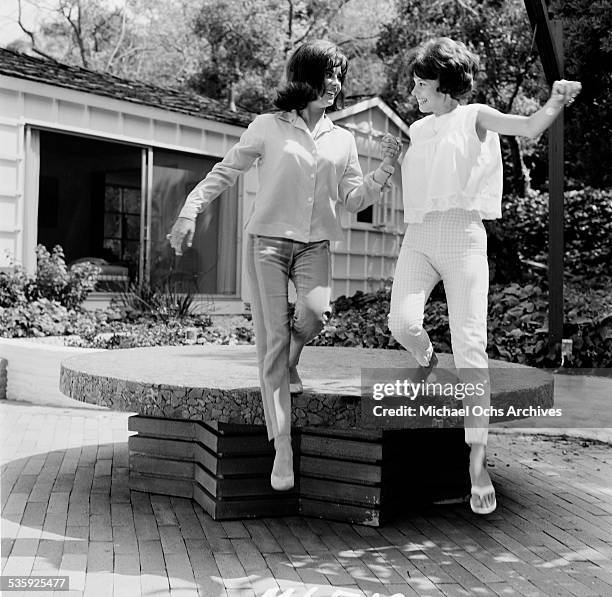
x: 564, y: 92
x: 391, y: 148
x: 181, y: 234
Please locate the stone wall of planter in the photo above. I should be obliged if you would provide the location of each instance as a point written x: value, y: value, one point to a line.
x: 30, y: 368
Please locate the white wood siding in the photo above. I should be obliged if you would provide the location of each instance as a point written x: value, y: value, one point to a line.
x: 26, y: 103
x: 367, y: 255
x: 365, y: 258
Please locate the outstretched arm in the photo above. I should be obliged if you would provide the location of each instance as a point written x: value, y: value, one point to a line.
x: 489, y: 119
x: 223, y: 175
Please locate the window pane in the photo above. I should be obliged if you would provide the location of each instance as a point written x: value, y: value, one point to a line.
x: 209, y: 267
x: 131, y: 201
x: 112, y: 199
x: 112, y: 225
x: 132, y: 227
x: 366, y: 215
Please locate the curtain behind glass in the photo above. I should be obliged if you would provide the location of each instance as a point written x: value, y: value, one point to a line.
x: 209, y: 267
x: 31, y: 191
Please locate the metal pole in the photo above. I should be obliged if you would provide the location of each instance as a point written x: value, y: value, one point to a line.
x: 556, y: 215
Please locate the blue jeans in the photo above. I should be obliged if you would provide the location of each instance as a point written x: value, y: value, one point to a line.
x: 270, y: 263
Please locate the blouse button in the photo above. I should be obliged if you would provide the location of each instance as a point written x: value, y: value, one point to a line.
x: 309, y: 199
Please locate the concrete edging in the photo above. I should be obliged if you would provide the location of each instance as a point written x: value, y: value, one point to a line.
x: 30, y: 367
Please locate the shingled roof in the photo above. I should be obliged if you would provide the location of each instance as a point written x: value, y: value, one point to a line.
x: 23, y: 66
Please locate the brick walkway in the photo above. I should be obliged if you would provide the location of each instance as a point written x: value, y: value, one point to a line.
x: 67, y: 510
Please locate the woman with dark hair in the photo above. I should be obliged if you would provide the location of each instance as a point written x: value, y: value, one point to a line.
x: 451, y: 181
x: 306, y: 165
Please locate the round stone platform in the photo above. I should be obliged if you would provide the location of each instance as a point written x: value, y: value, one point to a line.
x: 220, y: 383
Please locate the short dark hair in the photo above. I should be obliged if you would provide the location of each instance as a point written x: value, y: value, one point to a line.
x: 447, y: 60
x: 306, y: 75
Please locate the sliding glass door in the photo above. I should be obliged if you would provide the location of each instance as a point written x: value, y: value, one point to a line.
x: 114, y: 203
x: 210, y: 265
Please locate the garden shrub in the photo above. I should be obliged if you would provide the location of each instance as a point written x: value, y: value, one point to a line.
x: 46, y: 303
x: 42, y: 317
x: 13, y: 287
x: 522, y: 234
x: 53, y: 281
x: 517, y: 324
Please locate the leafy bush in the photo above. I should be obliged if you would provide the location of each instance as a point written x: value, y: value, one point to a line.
x: 53, y: 281
x: 522, y: 234
x: 517, y: 320
x: 46, y: 303
x: 42, y: 317
x: 56, y: 282
x: 13, y: 287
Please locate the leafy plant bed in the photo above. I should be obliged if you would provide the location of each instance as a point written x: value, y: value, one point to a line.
x: 518, y: 323
x: 147, y: 332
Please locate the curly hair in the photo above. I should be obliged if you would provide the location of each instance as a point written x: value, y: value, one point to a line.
x: 306, y: 75
x: 447, y: 60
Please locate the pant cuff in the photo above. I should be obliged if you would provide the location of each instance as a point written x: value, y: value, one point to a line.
x: 476, y: 435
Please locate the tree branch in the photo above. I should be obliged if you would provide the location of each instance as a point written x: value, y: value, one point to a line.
x: 329, y: 15
x: 289, y: 23
x: 519, y: 81
x: 30, y: 34
x: 77, y: 29
x: 120, y: 40
x: 357, y: 38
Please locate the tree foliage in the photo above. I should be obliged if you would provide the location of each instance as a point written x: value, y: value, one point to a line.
x: 587, y: 26
x: 139, y: 39
x: 498, y: 31
x: 235, y: 51
x: 249, y: 41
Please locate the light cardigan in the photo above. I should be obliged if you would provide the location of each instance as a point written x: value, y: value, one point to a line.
x: 302, y: 176
x: 448, y: 167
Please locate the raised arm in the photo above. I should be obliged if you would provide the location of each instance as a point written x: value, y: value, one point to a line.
x: 489, y: 119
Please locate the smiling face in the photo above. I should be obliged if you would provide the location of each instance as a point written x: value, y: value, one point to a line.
x: 431, y: 101
x: 332, y: 85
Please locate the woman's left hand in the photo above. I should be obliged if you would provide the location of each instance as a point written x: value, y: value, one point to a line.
x: 564, y: 92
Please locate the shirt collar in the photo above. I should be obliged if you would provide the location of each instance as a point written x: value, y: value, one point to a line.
x: 294, y: 118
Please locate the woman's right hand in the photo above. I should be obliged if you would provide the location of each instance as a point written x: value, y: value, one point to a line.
x: 181, y: 234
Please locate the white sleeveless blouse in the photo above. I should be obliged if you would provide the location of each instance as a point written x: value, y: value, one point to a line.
x: 448, y: 167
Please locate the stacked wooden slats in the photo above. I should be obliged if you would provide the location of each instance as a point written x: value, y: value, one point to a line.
x: 353, y: 475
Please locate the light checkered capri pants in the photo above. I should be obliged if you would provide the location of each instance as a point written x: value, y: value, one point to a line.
x: 450, y: 246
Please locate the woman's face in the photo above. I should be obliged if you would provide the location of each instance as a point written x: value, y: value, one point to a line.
x: 426, y: 93
x: 332, y: 88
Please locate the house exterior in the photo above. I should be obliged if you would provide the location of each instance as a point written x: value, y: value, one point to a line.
x: 101, y: 165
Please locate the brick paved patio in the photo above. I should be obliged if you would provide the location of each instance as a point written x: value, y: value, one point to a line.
x: 67, y: 510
